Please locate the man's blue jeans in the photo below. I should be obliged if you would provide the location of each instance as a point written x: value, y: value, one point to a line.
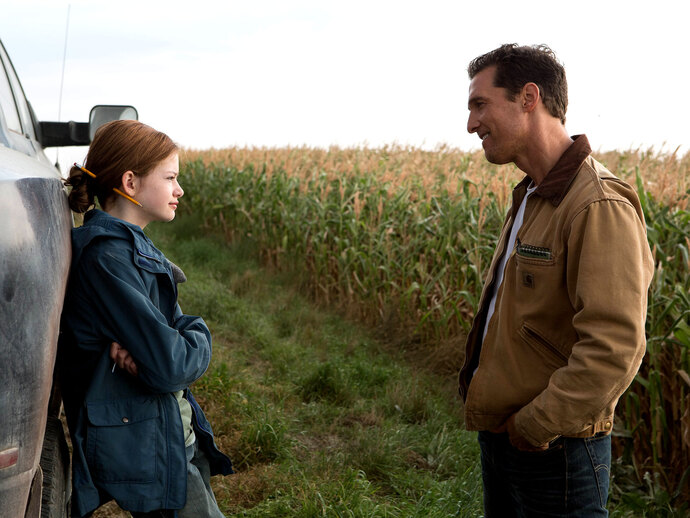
x: 570, y: 479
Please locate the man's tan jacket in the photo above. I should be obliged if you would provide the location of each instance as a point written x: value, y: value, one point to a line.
x: 568, y: 332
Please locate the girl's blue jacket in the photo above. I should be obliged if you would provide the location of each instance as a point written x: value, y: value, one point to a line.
x: 126, y: 431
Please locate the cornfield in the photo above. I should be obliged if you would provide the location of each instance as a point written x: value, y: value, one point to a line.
x: 402, y: 238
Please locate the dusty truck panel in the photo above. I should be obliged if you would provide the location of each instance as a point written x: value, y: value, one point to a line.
x: 34, y: 263
x: 35, y: 254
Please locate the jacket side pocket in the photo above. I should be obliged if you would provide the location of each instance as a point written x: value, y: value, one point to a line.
x: 122, y: 440
x: 539, y: 342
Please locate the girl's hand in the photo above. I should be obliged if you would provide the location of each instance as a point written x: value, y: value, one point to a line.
x: 122, y: 358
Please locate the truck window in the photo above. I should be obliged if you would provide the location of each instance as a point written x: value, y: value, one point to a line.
x: 19, y: 98
x: 7, y: 104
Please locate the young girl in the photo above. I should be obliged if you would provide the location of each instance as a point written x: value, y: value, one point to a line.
x: 127, y: 353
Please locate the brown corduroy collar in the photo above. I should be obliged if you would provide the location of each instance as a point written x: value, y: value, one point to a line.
x: 556, y: 183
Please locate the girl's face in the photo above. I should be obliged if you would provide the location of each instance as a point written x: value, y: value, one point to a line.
x: 159, y: 191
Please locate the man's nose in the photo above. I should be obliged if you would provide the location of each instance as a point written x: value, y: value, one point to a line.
x: 472, y: 124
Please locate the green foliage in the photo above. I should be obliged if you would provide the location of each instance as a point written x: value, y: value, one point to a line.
x: 655, y: 404
x: 646, y: 499
x: 264, y: 437
x: 316, y: 419
x: 409, y: 257
x: 326, y: 383
x: 383, y: 248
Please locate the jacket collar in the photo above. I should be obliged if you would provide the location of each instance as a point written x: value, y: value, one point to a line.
x: 146, y: 255
x: 556, y: 183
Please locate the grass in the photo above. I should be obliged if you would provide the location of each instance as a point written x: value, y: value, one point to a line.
x: 324, y: 417
x: 320, y: 416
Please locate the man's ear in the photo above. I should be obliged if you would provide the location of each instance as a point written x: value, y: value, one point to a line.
x: 129, y: 183
x: 530, y: 96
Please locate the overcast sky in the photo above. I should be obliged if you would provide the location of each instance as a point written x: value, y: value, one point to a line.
x: 318, y: 72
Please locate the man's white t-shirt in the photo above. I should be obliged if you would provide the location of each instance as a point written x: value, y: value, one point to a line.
x: 509, y: 248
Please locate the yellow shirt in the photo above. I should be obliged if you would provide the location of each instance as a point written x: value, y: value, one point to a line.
x: 186, y: 415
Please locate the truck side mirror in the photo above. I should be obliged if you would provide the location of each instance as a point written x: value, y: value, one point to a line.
x: 54, y: 134
x: 102, y: 113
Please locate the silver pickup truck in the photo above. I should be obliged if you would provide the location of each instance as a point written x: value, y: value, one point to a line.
x: 35, y: 253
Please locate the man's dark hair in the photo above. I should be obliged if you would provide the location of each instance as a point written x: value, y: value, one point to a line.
x: 518, y: 65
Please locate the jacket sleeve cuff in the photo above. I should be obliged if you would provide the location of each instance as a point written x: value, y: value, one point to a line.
x: 528, y: 426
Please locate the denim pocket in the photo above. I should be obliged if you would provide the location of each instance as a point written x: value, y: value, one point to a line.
x: 599, y: 450
x: 121, y: 440
x: 553, y: 456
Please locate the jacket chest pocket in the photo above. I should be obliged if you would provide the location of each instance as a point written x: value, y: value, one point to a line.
x: 122, y: 440
x: 538, y: 273
x: 542, y: 301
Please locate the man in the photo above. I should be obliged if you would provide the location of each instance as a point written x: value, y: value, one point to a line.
x: 559, y: 332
